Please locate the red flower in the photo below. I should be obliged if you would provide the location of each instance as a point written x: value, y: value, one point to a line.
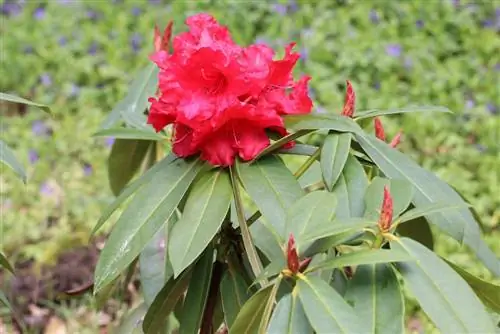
x: 220, y: 97
x: 350, y: 101
x: 292, y: 256
x: 385, y: 219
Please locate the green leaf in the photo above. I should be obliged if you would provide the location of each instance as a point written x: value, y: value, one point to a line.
x: 131, y: 188
x: 419, y: 230
x: 326, y: 310
x: 321, y: 122
x: 488, y: 292
x: 17, y: 99
x: 8, y: 158
x: 206, y: 207
x: 266, y: 315
x: 234, y: 294
x: 279, y: 144
x: 369, y: 256
x: 272, y: 269
x: 248, y: 319
x: 272, y: 187
x: 429, y: 209
x: 372, y: 113
x: 4, y: 300
x: 350, y: 189
x: 429, y: 189
x: 130, y: 324
x: 124, y: 161
x: 443, y: 295
x: 164, y: 303
x: 4, y: 263
x: 197, y: 293
x: 148, y: 212
x: 289, y: 317
x: 334, y: 153
x: 129, y: 133
x: 314, y: 210
x: 376, y: 296
x: 299, y: 149
x: 266, y: 239
x: 401, y: 192
x: 338, y: 227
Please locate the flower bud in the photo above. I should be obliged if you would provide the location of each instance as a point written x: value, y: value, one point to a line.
x: 350, y: 101
x: 304, y: 264
x: 385, y: 219
x: 163, y: 42
x: 396, y: 140
x: 292, y: 256
x: 379, y: 129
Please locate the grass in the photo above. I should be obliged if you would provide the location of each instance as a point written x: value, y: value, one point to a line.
x: 395, y: 53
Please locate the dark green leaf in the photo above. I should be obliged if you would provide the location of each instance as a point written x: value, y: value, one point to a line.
x: 164, y: 303
x: 444, y: 296
x: 266, y: 315
x: 17, y: 99
x: 206, y: 207
x: 248, y: 319
x: 4, y: 263
x: 419, y: 230
x: 8, y: 158
x: 339, y: 281
x: 197, y: 293
x: 146, y: 214
x: 429, y: 189
x: 350, y: 189
x: 311, y: 176
x: 488, y: 292
x: 372, y: 113
x: 129, y: 133
x: 130, y: 189
x: 124, y: 161
x: 266, y: 239
x: 289, y: 317
x: 401, y: 192
x: 321, y: 122
x: 429, y: 209
x: 299, y: 149
x: 234, y: 294
x: 334, y: 153
x: 131, y: 323
x: 338, y: 227
x: 4, y: 300
x: 326, y: 310
x: 279, y: 143
x: 272, y: 187
x: 376, y: 296
x: 369, y: 256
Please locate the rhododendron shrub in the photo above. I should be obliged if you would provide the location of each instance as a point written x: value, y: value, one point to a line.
x: 237, y: 223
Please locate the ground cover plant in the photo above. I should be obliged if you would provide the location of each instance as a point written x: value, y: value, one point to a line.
x: 48, y: 215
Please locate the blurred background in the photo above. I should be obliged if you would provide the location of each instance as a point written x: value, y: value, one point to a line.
x: 78, y: 56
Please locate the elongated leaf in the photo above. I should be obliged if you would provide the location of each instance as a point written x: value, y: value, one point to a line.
x: 4, y: 300
x: 279, y: 143
x: 128, y: 133
x: 372, y: 113
x: 164, y: 303
x: 124, y: 161
x: 334, y: 153
x: 429, y: 209
x: 248, y: 319
x: 197, y: 293
x: 289, y: 317
x: 266, y: 315
x: 350, y: 189
x: 488, y: 292
x: 266, y: 239
x: 370, y: 256
x: 314, y: 210
x: 311, y: 176
x: 376, y: 296
x: 5, y: 263
x: 326, y: 310
x: 429, y: 189
x: 321, y: 122
x: 419, y: 230
x: 272, y: 187
x: 339, y: 227
x: 444, y: 296
x: 146, y: 214
x: 17, y: 99
x: 272, y: 269
x: 130, y: 189
x: 234, y: 294
x: 299, y: 149
x: 204, y: 213
x: 8, y: 158
x: 401, y: 192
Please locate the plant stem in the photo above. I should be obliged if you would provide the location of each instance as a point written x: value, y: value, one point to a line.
x: 302, y: 169
x: 213, y: 295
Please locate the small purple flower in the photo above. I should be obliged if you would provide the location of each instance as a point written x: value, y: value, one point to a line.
x: 39, y: 13
x: 93, y: 15
x: 93, y: 49
x: 280, y: 9
x: 135, y: 42
x: 39, y: 128
x: 393, y: 50
x: 497, y: 67
x: 304, y: 54
x: 374, y: 17
x: 419, y: 24
x: 408, y: 63
x: 62, y: 40
x: 74, y: 90
x: 46, y: 189
x: 28, y: 49
x: 87, y: 169
x: 469, y: 103
x: 136, y: 11
x: 10, y: 8
x: 376, y: 85
x: 320, y: 110
x: 109, y: 141
x: 488, y: 23
x: 32, y: 156
x: 155, y: 2
x: 293, y: 7
x: 492, y: 109
x: 46, y: 80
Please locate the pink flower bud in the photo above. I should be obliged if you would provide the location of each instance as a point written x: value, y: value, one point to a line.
x: 379, y: 129
x: 385, y: 219
x: 396, y: 140
x: 163, y: 42
x: 292, y: 256
x: 350, y: 101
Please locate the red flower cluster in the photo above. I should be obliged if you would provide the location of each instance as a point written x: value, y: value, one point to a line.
x: 221, y: 97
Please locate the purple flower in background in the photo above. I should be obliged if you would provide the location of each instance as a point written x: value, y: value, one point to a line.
x: 293, y: 6
x: 393, y: 50
x: 481, y: 148
x: 28, y: 49
x: 87, y: 169
x: 74, y: 90
x: 10, y: 8
x: 408, y: 63
x: 93, y: 15
x: 376, y: 85
x: 155, y: 2
x: 39, y: 128
x: 109, y: 141
x: 320, y: 110
x: 46, y: 189
x: 419, y: 24
x: 488, y: 23
x: 469, y: 103
x: 136, y: 11
x: 279, y: 8
x: 62, y: 40
x: 39, y: 13
x: 304, y: 54
x: 497, y: 67
x: 311, y: 92
x: 32, y: 156
x: 492, y: 109
x: 374, y: 17
x: 93, y: 49
x: 135, y: 42
x: 46, y: 80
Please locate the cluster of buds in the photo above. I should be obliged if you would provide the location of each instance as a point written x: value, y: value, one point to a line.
x: 380, y: 133
x: 294, y: 265
x: 350, y: 101
x: 385, y: 218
